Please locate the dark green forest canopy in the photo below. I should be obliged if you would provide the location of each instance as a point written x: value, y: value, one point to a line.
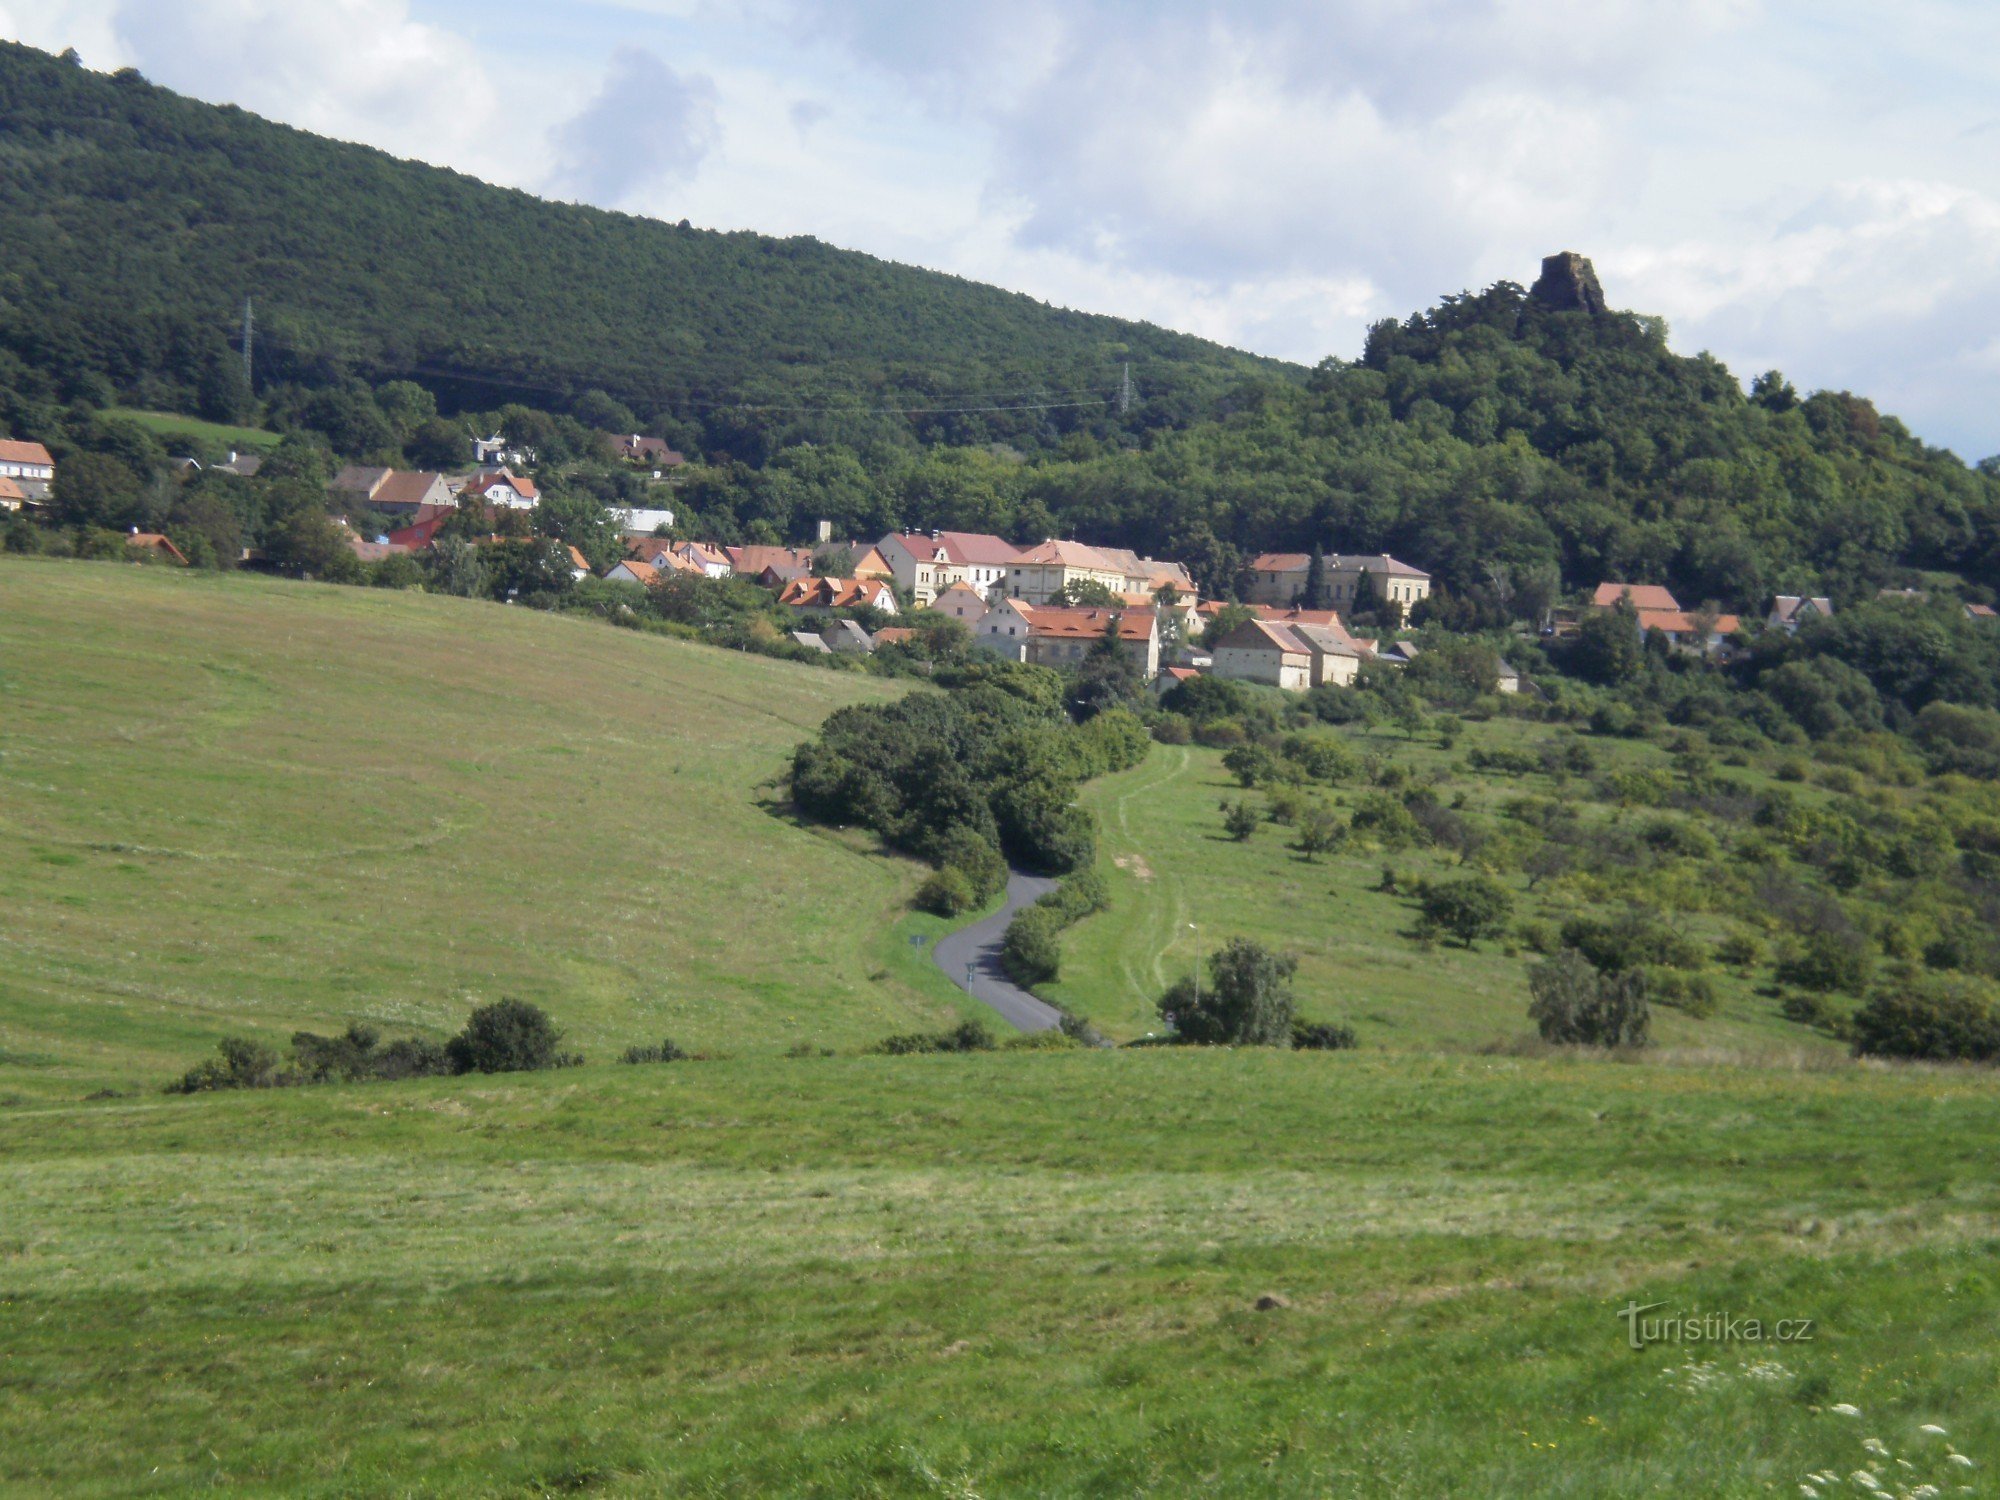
x: 134, y: 223
x: 1509, y: 447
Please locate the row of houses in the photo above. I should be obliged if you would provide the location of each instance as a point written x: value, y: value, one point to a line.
x: 926, y: 565
x: 407, y: 492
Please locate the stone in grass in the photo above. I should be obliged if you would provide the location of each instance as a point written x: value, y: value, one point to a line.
x: 1272, y: 1301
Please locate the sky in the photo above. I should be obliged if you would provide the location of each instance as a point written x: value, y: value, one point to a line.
x: 1810, y: 186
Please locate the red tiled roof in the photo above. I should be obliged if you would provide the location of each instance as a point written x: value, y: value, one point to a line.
x: 421, y: 533
x: 14, y: 451
x: 1280, y: 562
x: 1071, y: 624
x: 643, y: 572
x: 1067, y: 554
x: 1681, y: 622
x: 831, y: 593
x: 10, y: 490
x: 1644, y: 596
x: 487, y: 479
x: 890, y: 634
x: 152, y: 541
x: 754, y: 560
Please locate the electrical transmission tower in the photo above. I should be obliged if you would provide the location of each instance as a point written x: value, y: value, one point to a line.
x: 1125, y: 390
x: 249, y: 338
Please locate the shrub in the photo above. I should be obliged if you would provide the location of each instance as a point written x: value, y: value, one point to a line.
x: 1320, y: 757
x: 239, y: 1063
x: 1321, y: 1036
x: 1239, y: 819
x: 1219, y: 734
x: 969, y: 1036
x: 1248, y: 1000
x: 1939, y: 1018
x: 977, y: 858
x: 1691, y: 994
x: 1810, y: 1010
x: 1830, y: 958
x: 663, y: 1051
x: 1249, y: 764
x: 1031, y: 952
x: 946, y: 893
x: 1634, y: 938
x: 1078, y: 1029
x: 1386, y: 820
x: 1738, y: 951
x: 1575, y: 1005
x: 1470, y: 909
x: 508, y: 1036
x: 1173, y: 729
x: 1320, y: 831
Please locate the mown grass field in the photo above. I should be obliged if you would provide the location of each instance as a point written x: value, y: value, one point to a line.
x: 234, y: 805
x: 1000, y: 1275
x: 1170, y: 864
x: 168, y: 426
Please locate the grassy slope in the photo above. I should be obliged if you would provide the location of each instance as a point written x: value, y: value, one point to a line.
x: 236, y: 805
x: 1170, y: 864
x: 1011, y: 1274
x: 170, y: 426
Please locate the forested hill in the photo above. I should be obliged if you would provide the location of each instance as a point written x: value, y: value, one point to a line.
x: 1507, y: 439
x: 134, y: 222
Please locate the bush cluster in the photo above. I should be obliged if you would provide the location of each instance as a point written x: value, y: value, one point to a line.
x: 508, y: 1036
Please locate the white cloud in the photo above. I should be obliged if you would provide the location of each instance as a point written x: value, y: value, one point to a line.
x: 648, y: 125
x: 1815, y: 192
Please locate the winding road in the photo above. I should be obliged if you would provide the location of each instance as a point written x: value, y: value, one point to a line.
x: 970, y: 958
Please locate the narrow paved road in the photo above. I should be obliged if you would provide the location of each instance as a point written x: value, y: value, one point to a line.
x: 970, y: 957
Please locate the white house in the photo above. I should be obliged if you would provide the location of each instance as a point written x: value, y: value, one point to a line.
x: 925, y: 564
x: 1258, y: 651
x: 505, y: 488
x: 29, y: 466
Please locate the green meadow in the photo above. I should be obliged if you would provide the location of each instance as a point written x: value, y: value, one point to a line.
x: 168, y: 426
x: 1181, y: 886
x: 237, y: 805
x: 1016, y: 1273
x: 232, y: 805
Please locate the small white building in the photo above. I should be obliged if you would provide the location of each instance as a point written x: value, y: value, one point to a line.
x: 1258, y: 651
x: 638, y: 521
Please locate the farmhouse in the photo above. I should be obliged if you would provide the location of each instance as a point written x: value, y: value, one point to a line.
x: 1280, y: 578
x: 925, y: 564
x: 650, y: 452
x: 632, y: 571
x: 503, y: 487
x: 29, y: 466
x: 824, y: 595
x: 1789, y: 611
x: 152, y: 545
x: 389, y: 491
x: 1659, y: 610
x: 1041, y: 572
x: 1258, y: 651
x: 1045, y: 635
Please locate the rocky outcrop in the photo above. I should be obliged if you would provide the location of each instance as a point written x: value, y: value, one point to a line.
x: 1568, y: 283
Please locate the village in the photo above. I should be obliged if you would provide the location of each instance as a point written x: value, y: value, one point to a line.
x: 1294, y: 626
